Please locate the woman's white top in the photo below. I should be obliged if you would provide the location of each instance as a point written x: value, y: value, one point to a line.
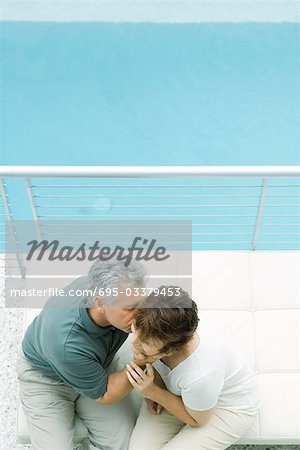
x: 212, y: 375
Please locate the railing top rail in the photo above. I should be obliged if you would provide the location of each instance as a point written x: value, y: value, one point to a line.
x: 149, y: 171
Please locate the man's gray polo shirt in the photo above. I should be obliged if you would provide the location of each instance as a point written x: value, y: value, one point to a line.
x: 65, y: 344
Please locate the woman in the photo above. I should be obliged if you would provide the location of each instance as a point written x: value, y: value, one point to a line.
x: 199, y: 394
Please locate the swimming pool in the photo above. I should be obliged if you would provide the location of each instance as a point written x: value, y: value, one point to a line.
x: 150, y: 94
x: 156, y: 94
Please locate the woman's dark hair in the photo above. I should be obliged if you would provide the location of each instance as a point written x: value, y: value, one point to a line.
x: 172, y: 319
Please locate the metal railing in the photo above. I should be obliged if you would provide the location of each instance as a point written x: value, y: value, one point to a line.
x: 8, y: 237
x: 150, y: 171
x: 240, y: 207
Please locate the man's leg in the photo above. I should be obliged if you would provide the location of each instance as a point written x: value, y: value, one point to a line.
x: 110, y: 426
x: 153, y: 431
x: 49, y: 408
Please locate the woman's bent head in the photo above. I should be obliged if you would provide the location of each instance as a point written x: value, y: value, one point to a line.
x: 164, y: 322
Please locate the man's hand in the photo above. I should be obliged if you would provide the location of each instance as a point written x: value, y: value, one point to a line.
x: 153, y: 407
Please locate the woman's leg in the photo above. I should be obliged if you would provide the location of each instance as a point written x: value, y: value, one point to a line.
x: 151, y: 432
x: 223, y: 429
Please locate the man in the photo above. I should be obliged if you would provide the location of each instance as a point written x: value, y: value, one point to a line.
x: 69, y: 363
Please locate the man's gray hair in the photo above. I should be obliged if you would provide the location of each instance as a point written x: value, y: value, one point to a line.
x: 106, y: 275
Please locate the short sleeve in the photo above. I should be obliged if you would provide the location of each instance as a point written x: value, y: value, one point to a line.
x: 85, y: 375
x: 203, y: 394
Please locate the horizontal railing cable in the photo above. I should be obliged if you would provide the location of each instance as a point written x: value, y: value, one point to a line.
x: 224, y: 202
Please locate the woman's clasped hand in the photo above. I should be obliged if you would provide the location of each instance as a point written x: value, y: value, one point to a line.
x: 141, y: 380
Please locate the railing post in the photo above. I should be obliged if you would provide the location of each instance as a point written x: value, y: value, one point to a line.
x: 33, y: 209
x: 259, y: 213
x: 11, y: 228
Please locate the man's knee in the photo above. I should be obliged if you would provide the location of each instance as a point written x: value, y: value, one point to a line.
x: 118, y: 435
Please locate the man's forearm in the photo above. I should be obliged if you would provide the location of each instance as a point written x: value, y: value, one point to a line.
x: 173, y: 404
x: 118, y: 387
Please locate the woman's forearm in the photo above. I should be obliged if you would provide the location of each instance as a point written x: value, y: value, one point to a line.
x: 173, y: 404
x: 158, y: 380
x: 145, y: 383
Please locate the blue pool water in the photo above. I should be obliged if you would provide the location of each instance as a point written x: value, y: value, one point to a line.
x: 145, y: 94
x: 150, y: 94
